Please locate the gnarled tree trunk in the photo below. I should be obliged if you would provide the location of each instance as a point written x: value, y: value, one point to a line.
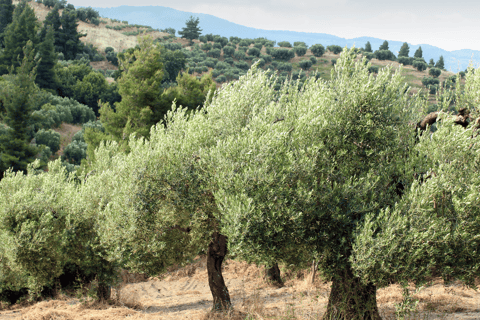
x: 217, y: 249
x: 314, y: 272
x: 350, y: 299
x: 273, y: 275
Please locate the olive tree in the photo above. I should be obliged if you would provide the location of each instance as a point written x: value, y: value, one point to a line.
x: 325, y: 168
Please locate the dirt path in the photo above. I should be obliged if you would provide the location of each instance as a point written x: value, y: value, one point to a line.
x: 185, y: 294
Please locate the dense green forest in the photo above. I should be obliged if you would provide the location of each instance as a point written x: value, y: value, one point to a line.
x: 353, y: 171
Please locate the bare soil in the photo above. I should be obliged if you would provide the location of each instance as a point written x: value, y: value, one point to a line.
x: 183, y: 293
x: 67, y: 131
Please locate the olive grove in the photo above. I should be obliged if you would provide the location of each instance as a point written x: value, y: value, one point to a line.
x: 336, y: 172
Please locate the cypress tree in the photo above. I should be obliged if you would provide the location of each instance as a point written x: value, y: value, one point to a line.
x: 22, y: 29
x: 46, y: 77
x: 53, y: 19
x: 418, y: 53
x: 384, y: 46
x: 368, y: 47
x: 404, y: 50
x: 18, y: 100
x: 6, y: 16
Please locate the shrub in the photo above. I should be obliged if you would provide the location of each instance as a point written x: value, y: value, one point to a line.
x: 405, y: 60
x: 206, y: 46
x: 109, y: 49
x: 209, y: 63
x: 254, y: 52
x: 243, y: 43
x: 261, y: 62
x: 434, y: 72
x: 50, y: 138
x: 384, y: 55
x: 242, y: 65
x: 75, y: 152
x: 419, y: 65
x: 305, y: 64
x: 95, y: 21
x: 221, y: 79
x: 373, y: 69
x: 427, y: 81
x: 228, y: 51
x: 284, y: 44
x: 285, y: 66
x: 462, y: 74
x: 199, y: 69
x: 259, y: 46
x: 172, y: 46
x: 221, y: 65
x: 209, y: 37
x: 222, y: 41
x: 230, y: 75
x: 243, y: 49
x: 249, y: 58
x: 215, y: 53
x: 335, y: 49
x: 228, y: 60
x: 282, y: 54
x: 296, y: 75
x: 369, y: 55
x: 433, y: 88
x: 333, y: 61
x: 266, y: 57
x: 300, y: 50
x: 202, y: 39
x: 313, y: 59
x: 112, y: 57
x: 299, y: 44
x: 235, y: 40
x: 216, y: 73
x: 239, y: 55
x: 317, y: 50
x: 217, y: 45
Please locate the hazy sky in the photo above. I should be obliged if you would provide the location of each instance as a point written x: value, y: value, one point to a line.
x: 450, y: 25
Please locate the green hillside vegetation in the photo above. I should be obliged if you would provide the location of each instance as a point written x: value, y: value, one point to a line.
x: 322, y: 163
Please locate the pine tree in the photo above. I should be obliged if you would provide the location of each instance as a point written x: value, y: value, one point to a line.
x: 418, y: 53
x: 22, y: 29
x: 368, y: 47
x: 6, y: 16
x: 191, y: 31
x: 384, y: 46
x: 69, y: 41
x: 53, y: 19
x: 431, y: 63
x: 46, y: 77
x: 15, y: 149
x: 404, y: 50
x: 440, y: 63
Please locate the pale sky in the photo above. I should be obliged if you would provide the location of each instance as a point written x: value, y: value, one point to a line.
x: 450, y: 25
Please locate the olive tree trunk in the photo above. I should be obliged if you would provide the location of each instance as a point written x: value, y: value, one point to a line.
x: 217, y: 249
x: 350, y: 299
x: 272, y: 275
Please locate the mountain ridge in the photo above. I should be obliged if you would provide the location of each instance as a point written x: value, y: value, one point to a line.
x: 164, y: 17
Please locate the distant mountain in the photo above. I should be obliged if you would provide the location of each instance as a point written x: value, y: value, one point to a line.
x: 159, y: 17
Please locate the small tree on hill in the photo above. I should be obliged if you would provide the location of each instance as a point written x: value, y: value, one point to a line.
x: 440, y: 63
x: 6, y: 16
x: 418, y: 53
x: 318, y: 50
x: 191, y: 31
x: 368, y: 47
x: 46, y: 77
x: 384, y: 46
x: 404, y: 50
x: 431, y: 63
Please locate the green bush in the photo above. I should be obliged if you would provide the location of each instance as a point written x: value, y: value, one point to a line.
x: 257, y: 45
x: 228, y: 60
x: 261, y: 62
x: 384, y: 55
x: 369, y: 55
x: 296, y: 75
x: 254, y: 52
x: 284, y: 44
x: 215, y: 53
x: 242, y: 65
x: 230, y: 75
x: 405, y: 60
x: 235, y: 39
x: 209, y: 63
x: 228, y: 51
x: 305, y: 64
x: 49, y: 138
x: 243, y: 49
x: 426, y: 81
x: 109, y: 49
x: 334, y: 49
x: 300, y: 50
x: 435, y: 72
x: 334, y: 61
x: 299, y: 44
x: 206, y: 46
x: 216, y: 73
x: 217, y: 45
x: 313, y: 59
x: 462, y: 74
x: 203, y: 39
x: 222, y: 41
x: 317, y: 50
x: 249, y: 58
x: 221, y: 79
x: 419, y: 65
x: 221, y: 65
x: 285, y: 66
x: 266, y: 57
x: 243, y: 43
x: 373, y: 69
x: 239, y: 55
x: 282, y: 54
x: 75, y: 152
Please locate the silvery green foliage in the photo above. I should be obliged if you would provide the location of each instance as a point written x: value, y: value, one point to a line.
x: 33, y: 216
